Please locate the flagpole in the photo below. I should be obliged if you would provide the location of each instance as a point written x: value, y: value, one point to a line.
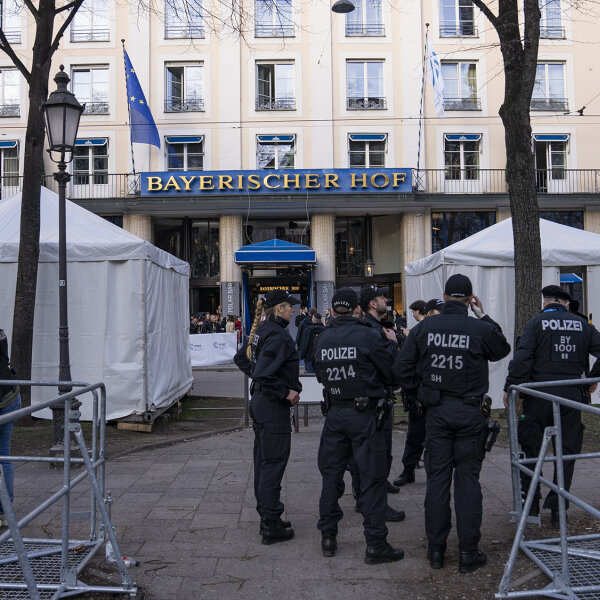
x: 128, y: 110
x: 422, y: 102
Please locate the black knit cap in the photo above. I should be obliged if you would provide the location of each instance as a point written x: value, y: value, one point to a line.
x: 458, y: 286
x: 434, y: 304
x: 275, y: 297
x: 555, y: 291
x: 344, y: 300
x: 369, y: 292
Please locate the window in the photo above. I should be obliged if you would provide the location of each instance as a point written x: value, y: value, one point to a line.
x: 460, y: 86
x: 550, y: 22
x: 273, y: 18
x: 185, y: 153
x: 275, y: 86
x: 572, y: 218
x: 275, y: 151
x: 450, y: 227
x: 457, y: 18
x: 10, y: 16
x: 9, y: 163
x: 10, y: 88
x: 90, y: 162
x: 350, y: 246
x: 366, y: 150
x: 364, y: 81
x: 90, y: 85
x: 550, y: 159
x: 461, y: 156
x: 90, y: 23
x: 204, y: 253
x: 365, y: 19
x: 184, y: 88
x: 549, y: 87
x: 183, y: 19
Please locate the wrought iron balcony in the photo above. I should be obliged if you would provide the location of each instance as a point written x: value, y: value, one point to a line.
x: 186, y: 31
x: 279, y: 30
x: 462, y: 103
x: 87, y: 34
x: 13, y: 35
x: 184, y: 105
x: 549, y: 104
x: 276, y: 104
x: 555, y: 32
x: 10, y: 110
x: 96, y: 108
x: 370, y: 103
x: 365, y: 29
x: 460, y: 29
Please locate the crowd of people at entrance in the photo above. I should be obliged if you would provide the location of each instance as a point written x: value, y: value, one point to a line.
x: 207, y: 322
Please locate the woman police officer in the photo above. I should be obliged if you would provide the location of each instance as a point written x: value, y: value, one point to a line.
x: 270, y: 358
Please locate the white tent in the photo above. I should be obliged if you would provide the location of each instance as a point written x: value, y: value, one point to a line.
x: 487, y: 257
x: 127, y: 303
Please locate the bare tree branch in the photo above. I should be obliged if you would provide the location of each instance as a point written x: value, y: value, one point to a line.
x: 7, y: 49
x: 54, y: 46
x: 484, y: 8
x: 66, y: 7
x: 32, y: 9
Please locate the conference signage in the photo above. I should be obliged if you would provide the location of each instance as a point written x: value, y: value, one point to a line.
x: 268, y: 181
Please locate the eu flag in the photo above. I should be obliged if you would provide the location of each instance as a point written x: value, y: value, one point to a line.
x: 142, y: 125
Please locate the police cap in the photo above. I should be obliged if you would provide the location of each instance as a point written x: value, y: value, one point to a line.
x: 434, y: 304
x: 458, y: 286
x: 369, y: 292
x: 344, y: 300
x: 275, y: 297
x: 555, y: 291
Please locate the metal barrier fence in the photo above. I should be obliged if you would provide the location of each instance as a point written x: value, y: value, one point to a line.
x: 50, y: 567
x: 571, y: 562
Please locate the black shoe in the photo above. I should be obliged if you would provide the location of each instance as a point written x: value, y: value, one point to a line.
x: 534, y: 511
x: 391, y: 488
x: 436, y: 558
x: 263, y: 524
x: 393, y: 515
x: 554, y: 519
x: 382, y: 552
x: 405, y: 477
x: 274, y: 532
x: 328, y: 544
x: 471, y: 561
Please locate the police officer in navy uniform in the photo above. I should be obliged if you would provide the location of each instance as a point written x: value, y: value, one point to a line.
x: 555, y: 345
x: 270, y: 358
x: 355, y: 365
x: 446, y: 358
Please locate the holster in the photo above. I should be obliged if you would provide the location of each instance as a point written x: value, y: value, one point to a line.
x: 429, y: 397
x: 384, y: 408
x: 325, y: 403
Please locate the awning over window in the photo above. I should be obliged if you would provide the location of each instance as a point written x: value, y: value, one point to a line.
x: 183, y: 139
x: 551, y: 137
x: 274, y: 253
x: 8, y: 144
x: 275, y: 138
x: 367, y: 137
x: 91, y: 142
x: 570, y: 278
x: 462, y: 137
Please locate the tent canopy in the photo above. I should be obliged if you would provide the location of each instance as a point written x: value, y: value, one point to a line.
x: 275, y: 253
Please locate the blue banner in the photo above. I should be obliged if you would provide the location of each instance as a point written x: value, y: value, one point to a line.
x: 268, y: 181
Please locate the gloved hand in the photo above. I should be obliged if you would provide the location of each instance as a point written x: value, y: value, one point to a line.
x: 477, y: 307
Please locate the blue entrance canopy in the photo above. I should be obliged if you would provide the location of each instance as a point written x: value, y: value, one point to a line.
x: 274, y: 253
x: 570, y: 278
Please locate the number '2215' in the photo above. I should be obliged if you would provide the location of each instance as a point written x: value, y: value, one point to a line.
x: 442, y: 361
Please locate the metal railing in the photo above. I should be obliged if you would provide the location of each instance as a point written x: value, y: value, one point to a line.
x: 473, y: 103
x: 186, y: 31
x: 96, y: 108
x: 460, y: 29
x: 90, y: 34
x: 365, y: 29
x: 276, y: 104
x: 552, y: 32
x: 57, y: 563
x: 549, y: 104
x: 10, y: 110
x: 184, y: 105
x: 371, y: 103
x: 13, y: 34
x: 264, y: 30
x: 571, y: 562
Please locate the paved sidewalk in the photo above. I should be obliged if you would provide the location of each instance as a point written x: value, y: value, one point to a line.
x: 187, y: 513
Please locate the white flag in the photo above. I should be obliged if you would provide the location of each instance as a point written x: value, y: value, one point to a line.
x: 435, y: 76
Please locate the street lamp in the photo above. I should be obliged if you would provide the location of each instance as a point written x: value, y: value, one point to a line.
x: 343, y: 6
x: 62, y: 112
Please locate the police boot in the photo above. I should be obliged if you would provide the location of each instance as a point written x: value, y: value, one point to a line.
x: 275, y: 532
x: 407, y: 476
x: 436, y: 557
x: 328, y: 544
x: 471, y: 561
x: 382, y: 552
x: 391, y: 488
x: 393, y: 515
x: 263, y: 524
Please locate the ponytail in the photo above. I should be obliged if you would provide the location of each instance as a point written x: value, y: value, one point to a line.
x: 255, y: 324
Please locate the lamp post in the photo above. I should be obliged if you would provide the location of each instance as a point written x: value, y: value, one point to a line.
x: 343, y: 6
x: 62, y: 112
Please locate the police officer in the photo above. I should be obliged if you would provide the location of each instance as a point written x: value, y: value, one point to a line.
x: 555, y: 345
x: 446, y: 358
x: 415, y: 435
x: 270, y: 358
x: 355, y: 365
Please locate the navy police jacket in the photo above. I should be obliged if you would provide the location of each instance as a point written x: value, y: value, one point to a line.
x: 555, y: 345
x: 351, y: 359
x: 274, y: 363
x: 450, y: 352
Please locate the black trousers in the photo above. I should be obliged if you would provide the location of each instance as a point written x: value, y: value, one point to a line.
x: 348, y: 433
x: 415, y: 438
x: 272, y: 442
x: 454, y: 446
x: 538, y: 416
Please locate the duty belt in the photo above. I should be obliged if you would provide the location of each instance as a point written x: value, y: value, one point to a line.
x: 350, y: 402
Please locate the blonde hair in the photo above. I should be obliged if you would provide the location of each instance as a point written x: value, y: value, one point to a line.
x: 257, y: 316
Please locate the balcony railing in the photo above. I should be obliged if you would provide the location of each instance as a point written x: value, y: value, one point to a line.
x: 549, y: 104
x: 279, y: 30
x: 276, y: 104
x: 371, y: 103
x: 364, y: 29
x: 552, y: 32
x: 10, y: 110
x: 462, y: 104
x: 13, y: 35
x: 96, y: 108
x: 186, y: 31
x: 190, y: 105
x: 87, y: 34
x: 461, y: 29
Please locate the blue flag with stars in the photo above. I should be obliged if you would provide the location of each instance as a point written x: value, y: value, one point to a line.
x: 142, y: 126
